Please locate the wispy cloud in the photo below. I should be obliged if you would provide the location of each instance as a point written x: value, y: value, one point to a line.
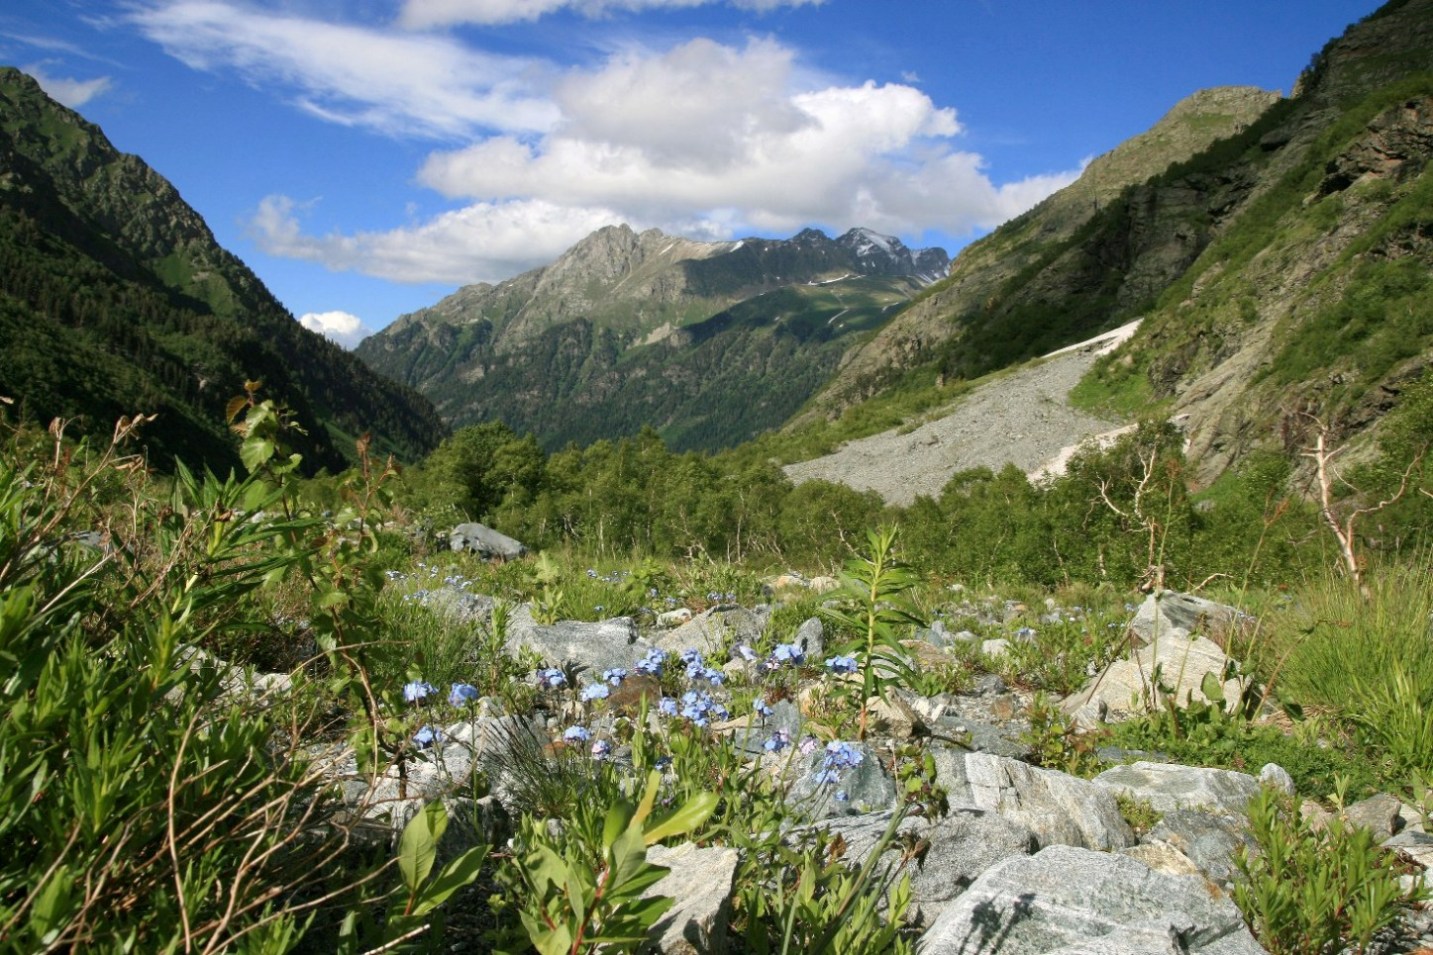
x: 398, y: 84
x: 422, y: 14
x: 71, y: 92
x: 484, y: 242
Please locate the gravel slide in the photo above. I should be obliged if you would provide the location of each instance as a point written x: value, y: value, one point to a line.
x: 1021, y: 419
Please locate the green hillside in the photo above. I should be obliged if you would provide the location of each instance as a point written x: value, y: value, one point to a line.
x: 115, y: 299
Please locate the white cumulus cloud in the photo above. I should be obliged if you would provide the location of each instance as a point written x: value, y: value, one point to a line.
x: 344, y: 328
x: 71, y: 92
x: 422, y: 14
x: 703, y: 138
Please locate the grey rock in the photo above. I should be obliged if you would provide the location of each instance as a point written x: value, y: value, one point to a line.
x: 700, y: 881
x: 713, y: 629
x: 460, y: 606
x: 995, y: 648
x: 959, y: 847
x: 987, y: 684
x: 483, y: 540
x: 1069, y: 900
x: 1169, y: 610
x: 1272, y: 774
x: 1169, y: 786
x: 811, y: 637
x: 1125, y: 686
x: 674, y: 618
x: 595, y: 646
x: 1058, y: 808
x: 1379, y: 814
x: 1207, y: 839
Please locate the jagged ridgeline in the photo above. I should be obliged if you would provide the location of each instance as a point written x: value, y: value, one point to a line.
x: 1277, y: 250
x: 709, y: 343
x: 116, y: 299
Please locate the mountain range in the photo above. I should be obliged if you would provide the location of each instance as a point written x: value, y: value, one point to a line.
x: 1274, y: 250
x: 115, y: 298
x: 711, y: 343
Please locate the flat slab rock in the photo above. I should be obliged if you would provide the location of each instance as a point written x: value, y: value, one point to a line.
x: 1069, y: 901
x: 1169, y: 786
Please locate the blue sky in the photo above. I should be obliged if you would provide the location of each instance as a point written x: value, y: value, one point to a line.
x: 365, y: 158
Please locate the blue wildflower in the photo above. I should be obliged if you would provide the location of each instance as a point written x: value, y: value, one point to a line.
x: 667, y: 706
x: 462, y: 694
x: 576, y: 734
x: 842, y: 664
x: 417, y: 691
x: 427, y: 736
x: 595, y: 691
x: 788, y: 653
x: 601, y: 749
x: 761, y: 708
x: 615, y: 676
x: 552, y: 678
x: 779, y: 740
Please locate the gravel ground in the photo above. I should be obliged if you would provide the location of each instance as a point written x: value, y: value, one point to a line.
x: 1020, y: 419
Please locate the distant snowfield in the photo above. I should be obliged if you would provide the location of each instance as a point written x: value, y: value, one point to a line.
x: 1022, y: 418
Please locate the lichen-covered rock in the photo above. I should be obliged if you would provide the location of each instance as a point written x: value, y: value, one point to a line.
x: 1070, y: 900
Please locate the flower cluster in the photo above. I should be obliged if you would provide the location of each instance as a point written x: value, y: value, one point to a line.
x: 551, y: 678
x: 699, y: 707
x: 839, y: 758
x: 462, y: 694
x: 418, y: 691
x: 595, y: 691
x: 576, y: 734
x: 615, y: 676
x: 697, y: 668
x: 779, y: 740
x: 652, y: 663
x: 427, y: 736
x: 842, y: 664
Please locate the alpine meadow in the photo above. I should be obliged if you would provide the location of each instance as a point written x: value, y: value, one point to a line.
x: 805, y: 591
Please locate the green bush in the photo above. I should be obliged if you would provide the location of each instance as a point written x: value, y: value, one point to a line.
x: 1309, y: 891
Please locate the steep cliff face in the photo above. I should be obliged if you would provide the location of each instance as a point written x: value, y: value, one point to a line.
x: 115, y: 298
x: 1281, y: 270
x: 1313, y: 304
x: 710, y: 343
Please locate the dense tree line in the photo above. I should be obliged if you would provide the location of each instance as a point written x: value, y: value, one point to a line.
x: 1123, y: 515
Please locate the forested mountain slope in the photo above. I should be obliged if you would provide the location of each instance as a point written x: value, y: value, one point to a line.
x: 116, y: 299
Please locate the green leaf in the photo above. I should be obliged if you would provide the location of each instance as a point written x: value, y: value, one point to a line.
x: 52, y: 906
x: 689, y: 816
x: 419, y: 845
x: 1212, y: 688
x: 461, y: 872
x: 255, y: 453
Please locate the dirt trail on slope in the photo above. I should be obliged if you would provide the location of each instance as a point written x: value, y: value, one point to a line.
x: 1022, y: 418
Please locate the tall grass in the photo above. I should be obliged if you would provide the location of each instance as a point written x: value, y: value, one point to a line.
x: 1367, y: 662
